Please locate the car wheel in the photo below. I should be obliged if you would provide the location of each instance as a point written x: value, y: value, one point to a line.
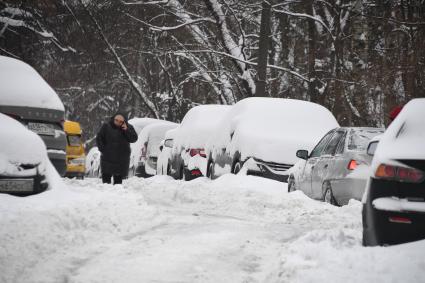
x: 328, y: 195
x: 237, y: 168
x: 181, y: 173
x: 210, y: 173
x: 291, y: 184
x: 187, y: 174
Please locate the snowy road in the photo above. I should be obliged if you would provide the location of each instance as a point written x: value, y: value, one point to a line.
x: 234, y: 229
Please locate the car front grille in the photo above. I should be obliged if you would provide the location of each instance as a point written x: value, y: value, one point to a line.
x: 280, y: 167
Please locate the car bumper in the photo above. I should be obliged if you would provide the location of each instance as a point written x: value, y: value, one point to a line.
x: 264, y: 169
x: 389, y: 220
x: 394, y: 227
x: 38, y: 184
x: 71, y: 174
x: 347, y: 188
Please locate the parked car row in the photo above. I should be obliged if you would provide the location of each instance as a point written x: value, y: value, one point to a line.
x: 35, y: 108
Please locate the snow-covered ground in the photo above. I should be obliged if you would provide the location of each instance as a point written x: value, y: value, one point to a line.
x: 233, y: 229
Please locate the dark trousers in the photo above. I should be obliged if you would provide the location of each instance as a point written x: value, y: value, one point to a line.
x: 106, y: 178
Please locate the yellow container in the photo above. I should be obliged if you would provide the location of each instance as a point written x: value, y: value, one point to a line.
x: 75, y: 155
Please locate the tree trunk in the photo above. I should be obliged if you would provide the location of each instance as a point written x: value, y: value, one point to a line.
x: 263, y: 50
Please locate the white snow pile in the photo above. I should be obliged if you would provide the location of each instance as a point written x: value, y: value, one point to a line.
x: 404, y: 136
x: 21, y: 85
x: 14, y: 141
x: 271, y: 129
x: 233, y: 229
x: 93, y: 161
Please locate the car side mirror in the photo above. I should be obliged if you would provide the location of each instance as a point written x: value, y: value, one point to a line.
x: 303, y: 154
x: 161, y: 147
x: 168, y: 143
x: 371, y: 148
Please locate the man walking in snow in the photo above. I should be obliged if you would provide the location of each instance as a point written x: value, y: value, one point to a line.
x: 113, y: 141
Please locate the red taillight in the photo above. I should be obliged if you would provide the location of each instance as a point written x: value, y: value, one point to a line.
x: 195, y: 151
x: 398, y: 219
x: 401, y: 174
x: 14, y: 116
x: 352, y: 165
x: 196, y: 172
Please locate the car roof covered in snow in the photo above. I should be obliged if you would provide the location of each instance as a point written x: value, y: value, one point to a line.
x: 405, y: 136
x: 14, y: 141
x: 198, y: 124
x: 140, y: 123
x: 272, y: 129
x: 21, y: 85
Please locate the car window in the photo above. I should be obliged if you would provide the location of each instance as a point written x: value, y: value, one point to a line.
x: 341, y: 145
x: 333, y: 143
x: 74, y: 140
x: 321, y: 145
x: 359, y: 139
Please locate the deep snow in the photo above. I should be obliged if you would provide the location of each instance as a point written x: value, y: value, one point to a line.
x: 233, y: 229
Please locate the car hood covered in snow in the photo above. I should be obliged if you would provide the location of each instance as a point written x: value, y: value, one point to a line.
x: 21, y: 85
x: 18, y: 145
x: 272, y: 129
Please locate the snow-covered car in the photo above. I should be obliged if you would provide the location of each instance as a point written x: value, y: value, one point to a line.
x: 263, y: 134
x: 188, y: 158
x: 337, y: 168
x: 139, y: 124
x: 147, y: 147
x: 26, y: 97
x: 93, y: 163
x: 394, y: 200
x: 23, y: 158
x: 164, y: 157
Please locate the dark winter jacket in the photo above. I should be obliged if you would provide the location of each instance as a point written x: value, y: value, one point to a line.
x: 114, y: 144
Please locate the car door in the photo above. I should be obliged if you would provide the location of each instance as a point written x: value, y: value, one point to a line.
x: 324, y: 164
x: 305, y: 178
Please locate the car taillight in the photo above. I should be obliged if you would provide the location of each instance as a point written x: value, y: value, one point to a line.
x: 195, y: 151
x: 14, y: 116
x: 352, y: 165
x: 397, y: 173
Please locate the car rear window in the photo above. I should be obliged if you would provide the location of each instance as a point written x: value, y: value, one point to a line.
x: 359, y: 139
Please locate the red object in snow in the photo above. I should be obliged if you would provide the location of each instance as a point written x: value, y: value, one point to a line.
x: 396, y: 110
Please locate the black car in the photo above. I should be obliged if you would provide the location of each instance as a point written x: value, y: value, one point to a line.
x: 394, y: 202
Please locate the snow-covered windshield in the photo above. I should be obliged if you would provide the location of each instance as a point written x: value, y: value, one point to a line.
x: 360, y: 138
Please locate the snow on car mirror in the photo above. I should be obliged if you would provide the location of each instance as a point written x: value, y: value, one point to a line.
x: 371, y: 148
x: 303, y: 154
